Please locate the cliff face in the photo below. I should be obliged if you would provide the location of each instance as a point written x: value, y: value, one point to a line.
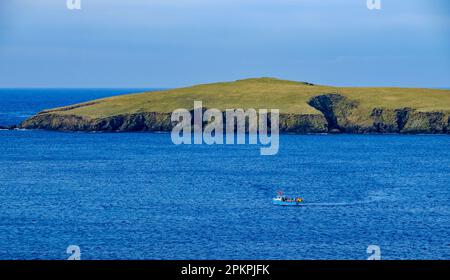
x: 336, y: 110
x: 293, y: 123
x: 339, y: 115
x: 132, y: 122
x: 344, y: 115
x: 304, y: 108
x: 154, y: 122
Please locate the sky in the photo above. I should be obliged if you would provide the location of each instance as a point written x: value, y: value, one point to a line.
x: 173, y: 43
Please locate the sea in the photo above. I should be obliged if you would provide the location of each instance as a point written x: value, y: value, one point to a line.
x: 139, y: 196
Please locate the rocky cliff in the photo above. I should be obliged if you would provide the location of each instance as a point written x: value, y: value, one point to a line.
x: 345, y: 115
x: 154, y: 121
x: 339, y: 115
x: 304, y: 108
x: 121, y: 123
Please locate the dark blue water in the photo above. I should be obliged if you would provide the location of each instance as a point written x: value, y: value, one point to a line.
x: 17, y: 105
x: 138, y: 196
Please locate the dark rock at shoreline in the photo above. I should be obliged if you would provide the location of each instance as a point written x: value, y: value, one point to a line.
x: 343, y: 116
x: 155, y: 122
x: 121, y: 123
x: 293, y: 123
x: 336, y: 110
x: 338, y: 114
x: 10, y: 127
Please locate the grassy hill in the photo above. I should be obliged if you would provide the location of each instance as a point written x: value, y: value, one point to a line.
x: 290, y: 97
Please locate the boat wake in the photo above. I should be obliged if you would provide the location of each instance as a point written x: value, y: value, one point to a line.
x: 372, y: 198
x: 334, y: 203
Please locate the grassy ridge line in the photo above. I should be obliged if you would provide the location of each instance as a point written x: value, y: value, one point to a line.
x: 289, y: 96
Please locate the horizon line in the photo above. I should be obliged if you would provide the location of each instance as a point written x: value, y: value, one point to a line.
x: 168, y: 88
x: 225, y: 81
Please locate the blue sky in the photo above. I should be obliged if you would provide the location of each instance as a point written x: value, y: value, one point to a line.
x: 171, y: 43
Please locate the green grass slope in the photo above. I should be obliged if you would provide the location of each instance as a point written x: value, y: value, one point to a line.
x: 270, y: 93
x: 304, y: 108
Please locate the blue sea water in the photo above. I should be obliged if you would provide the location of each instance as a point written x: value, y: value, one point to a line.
x: 138, y: 196
x: 17, y: 105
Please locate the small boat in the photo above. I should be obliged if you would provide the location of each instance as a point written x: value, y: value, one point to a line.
x: 285, y: 200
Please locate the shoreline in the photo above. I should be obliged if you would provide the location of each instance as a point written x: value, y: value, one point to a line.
x: 17, y: 128
x: 304, y: 108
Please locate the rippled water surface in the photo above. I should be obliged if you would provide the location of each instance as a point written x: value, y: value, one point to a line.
x: 138, y: 196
